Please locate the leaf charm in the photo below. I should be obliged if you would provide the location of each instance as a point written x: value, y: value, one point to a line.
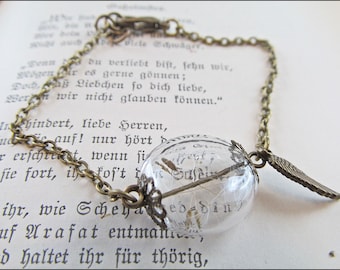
x: 290, y: 171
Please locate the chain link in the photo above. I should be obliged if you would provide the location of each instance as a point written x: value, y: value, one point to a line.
x: 116, y: 28
x: 50, y: 147
x: 175, y: 29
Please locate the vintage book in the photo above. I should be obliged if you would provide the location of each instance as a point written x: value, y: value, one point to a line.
x: 123, y: 100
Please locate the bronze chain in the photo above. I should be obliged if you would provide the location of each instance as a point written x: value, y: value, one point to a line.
x: 116, y: 28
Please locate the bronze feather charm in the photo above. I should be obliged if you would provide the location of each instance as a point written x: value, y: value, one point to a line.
x: 290, y: 171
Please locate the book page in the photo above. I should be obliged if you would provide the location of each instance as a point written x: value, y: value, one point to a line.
x: 124, y: 99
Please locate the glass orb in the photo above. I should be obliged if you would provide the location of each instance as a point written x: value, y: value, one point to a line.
x: 198, y: 184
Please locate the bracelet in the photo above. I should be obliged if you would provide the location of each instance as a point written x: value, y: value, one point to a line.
x: 214, y: 180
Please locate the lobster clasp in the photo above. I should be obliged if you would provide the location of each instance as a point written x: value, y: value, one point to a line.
x: 141, y: 24
x: 118, y: 27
